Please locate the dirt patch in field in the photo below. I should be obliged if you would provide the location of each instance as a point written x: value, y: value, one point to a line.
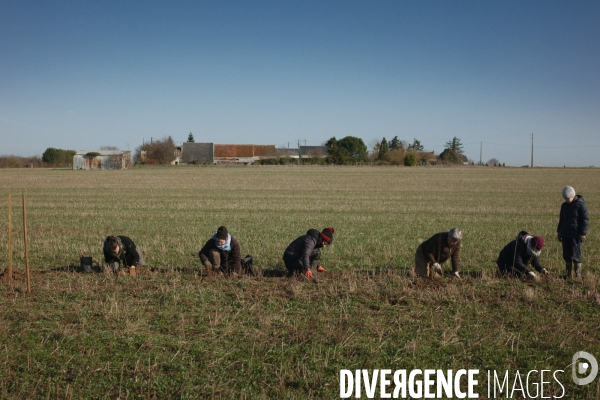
x: 430, y: 284
x: 16, y: 276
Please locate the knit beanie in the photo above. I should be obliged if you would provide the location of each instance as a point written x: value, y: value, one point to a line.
x: 568, y: 192
x: 222, y: 233
x: 327, y: 235
x: 537, y: 242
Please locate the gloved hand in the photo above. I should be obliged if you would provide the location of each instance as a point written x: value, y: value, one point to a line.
x: 582, y: 238
x: 309, y: 274
x: 532, y: 274
x: 437, y: 268
x: 321, y: 269
x: 545, y: 271
x: 132, y: 271
x: 456, y: 274
x: 559, y: 237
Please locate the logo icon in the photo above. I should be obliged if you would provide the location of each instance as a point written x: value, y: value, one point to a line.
x: 584, y: 363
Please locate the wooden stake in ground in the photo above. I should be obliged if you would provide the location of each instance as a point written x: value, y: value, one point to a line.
x: 10, y: 250
x: 26, y: 247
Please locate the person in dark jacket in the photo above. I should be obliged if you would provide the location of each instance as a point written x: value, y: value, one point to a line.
x: 436, y: 250
x: 222, y: 253
x: 304, y: 254
x: 121, y: 249
x: 573, y: 224
x: 518, y: 254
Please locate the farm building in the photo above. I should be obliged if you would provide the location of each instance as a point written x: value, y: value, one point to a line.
x: 102, y: 159
x: 313, y: 151
x: 242, y: 153
x: 210, y: 153
x: 287, y: 152
x: 197, y: 153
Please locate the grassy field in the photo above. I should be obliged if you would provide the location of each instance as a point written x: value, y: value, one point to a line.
x: 176, y: 334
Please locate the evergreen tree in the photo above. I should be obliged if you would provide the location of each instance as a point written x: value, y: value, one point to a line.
x: 336, y: 154
x: 190, y: 138
x: 416, y: 146
x: 396, y: 144
x: 453, y: 152
x: 383, y: 149
x: 58, y: 156
x: 355, y: 146
x: 455, y: 145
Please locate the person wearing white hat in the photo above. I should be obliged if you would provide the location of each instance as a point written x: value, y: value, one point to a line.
x: 573, y: 223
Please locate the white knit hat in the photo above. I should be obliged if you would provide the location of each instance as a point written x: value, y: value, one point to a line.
x: 568, y: 192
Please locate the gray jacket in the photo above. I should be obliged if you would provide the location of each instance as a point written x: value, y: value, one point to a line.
x: 304, y: 247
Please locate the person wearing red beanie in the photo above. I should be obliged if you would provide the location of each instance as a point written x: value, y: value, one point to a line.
x: 518, y: 254
x: 304, y: 253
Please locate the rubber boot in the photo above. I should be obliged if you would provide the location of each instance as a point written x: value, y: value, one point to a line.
x: 569, y: 266
x: 577, y: 270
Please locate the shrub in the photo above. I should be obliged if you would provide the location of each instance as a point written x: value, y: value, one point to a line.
x: 410, y: 160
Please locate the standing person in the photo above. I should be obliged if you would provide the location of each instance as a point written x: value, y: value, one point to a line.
x: 222, y: 253
x: 573, y: 224
x: 119, y: 249
x: 518, y: 254
x: 436, y: 250
x: 304, y: 253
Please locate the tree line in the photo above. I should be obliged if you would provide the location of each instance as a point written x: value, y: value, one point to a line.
x: 350, y: 150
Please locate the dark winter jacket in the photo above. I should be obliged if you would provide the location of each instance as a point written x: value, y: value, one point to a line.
x: 519, y: 259
x: 436, y: 250
x: 128, y: 254
x: 230, y: 259
x: 574, y: 219
x: 304, y: 247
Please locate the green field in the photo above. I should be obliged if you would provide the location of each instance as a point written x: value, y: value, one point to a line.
x: 176, y: 334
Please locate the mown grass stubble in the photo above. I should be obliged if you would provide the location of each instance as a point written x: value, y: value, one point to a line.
x: 174, y: 334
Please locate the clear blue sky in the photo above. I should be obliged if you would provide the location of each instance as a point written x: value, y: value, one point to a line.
x: 84, y: 74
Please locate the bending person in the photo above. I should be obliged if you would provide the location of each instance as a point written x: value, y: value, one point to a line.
x: 518, y: 254
x: 221, y: 253
x: 121, y: 249
x: 433, y: 252
x: 304, y: 254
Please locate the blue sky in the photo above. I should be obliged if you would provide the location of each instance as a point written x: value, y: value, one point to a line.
x: 84, y: 74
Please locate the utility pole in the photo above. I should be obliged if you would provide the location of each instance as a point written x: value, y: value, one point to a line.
x: 532, y: 150
x: 480, y: 150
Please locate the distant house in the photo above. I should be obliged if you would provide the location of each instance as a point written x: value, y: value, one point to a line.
x: 177, y: 154
x: 102, y: 159
x: 430, y: 158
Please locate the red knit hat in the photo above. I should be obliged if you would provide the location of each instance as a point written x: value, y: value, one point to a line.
x: 327, y: 235
x: 537, y: 242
